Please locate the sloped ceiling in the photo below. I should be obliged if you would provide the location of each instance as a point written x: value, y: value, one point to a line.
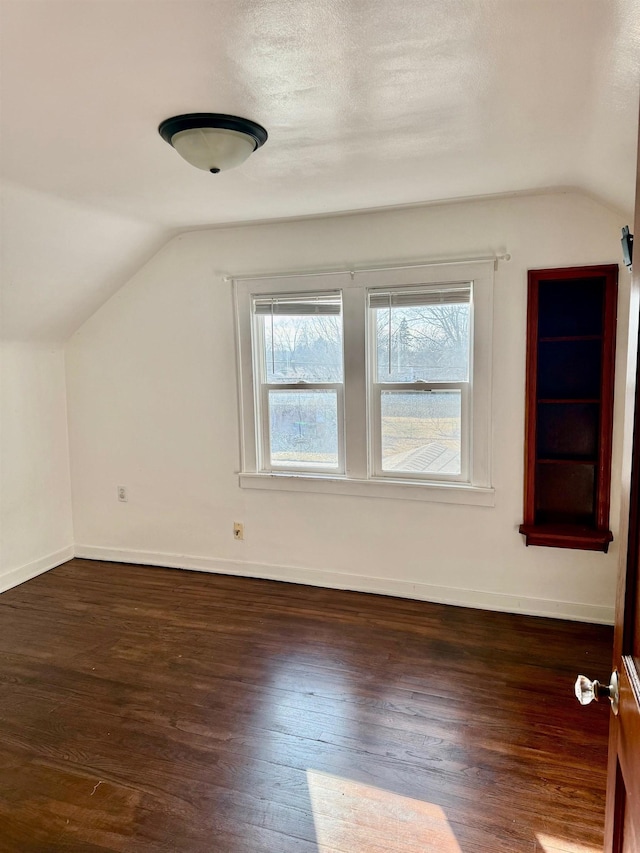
x: 368, y: 103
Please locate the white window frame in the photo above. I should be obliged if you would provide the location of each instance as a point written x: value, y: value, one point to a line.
x: 376, y: 389
x: 263, y: 436
x: 360, y: 475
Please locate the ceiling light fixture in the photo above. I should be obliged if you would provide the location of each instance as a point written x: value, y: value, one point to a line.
x: 213, y: 141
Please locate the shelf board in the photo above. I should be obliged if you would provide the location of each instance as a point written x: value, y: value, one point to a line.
x: 565, y: 400
x: 574, y: 536
x: 559, y: 338
x: 550, y: 461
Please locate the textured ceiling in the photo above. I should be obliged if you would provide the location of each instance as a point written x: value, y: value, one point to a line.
x: 367, y: 102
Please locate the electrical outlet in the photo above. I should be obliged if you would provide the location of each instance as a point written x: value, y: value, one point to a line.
x: 238, y: 530
x: 122, y: 494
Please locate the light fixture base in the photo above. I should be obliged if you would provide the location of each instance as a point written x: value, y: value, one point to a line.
x: 192, y: 121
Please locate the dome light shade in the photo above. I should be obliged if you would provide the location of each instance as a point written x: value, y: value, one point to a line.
x: 213, y: 141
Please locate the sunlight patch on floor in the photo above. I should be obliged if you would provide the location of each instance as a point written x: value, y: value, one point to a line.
x: 551, y: 844
x: 356, y: 818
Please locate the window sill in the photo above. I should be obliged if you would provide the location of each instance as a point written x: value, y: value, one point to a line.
x: 450, y: 493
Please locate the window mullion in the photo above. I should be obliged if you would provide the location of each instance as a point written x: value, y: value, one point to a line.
x: 355, y: 382
x: 259, y: 376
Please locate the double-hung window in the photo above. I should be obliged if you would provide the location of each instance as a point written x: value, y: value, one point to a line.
x: 299, y: 381
x: 419, y: 396
x: 375, y: 382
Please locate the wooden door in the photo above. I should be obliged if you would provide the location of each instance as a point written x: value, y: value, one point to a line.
x: 622, y: 831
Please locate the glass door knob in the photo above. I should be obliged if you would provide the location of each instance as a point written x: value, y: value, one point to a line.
x: 589, y: 691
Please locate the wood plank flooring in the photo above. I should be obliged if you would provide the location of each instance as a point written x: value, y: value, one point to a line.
x: 147, y: 710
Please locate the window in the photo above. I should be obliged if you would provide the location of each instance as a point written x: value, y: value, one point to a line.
x: 420, y: 389
x: 297, y: 343
x: 374, y: 382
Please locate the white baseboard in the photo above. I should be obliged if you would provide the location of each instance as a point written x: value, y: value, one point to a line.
x: 576, y: 611
x: 37, y: 567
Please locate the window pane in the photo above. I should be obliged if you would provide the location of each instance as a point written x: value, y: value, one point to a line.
x: 425, y: 342
x: 421, y: 431
x: 302, y: 347
x: 304, y: 428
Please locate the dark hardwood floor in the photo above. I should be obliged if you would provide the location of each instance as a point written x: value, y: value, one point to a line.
x: 148, y: 710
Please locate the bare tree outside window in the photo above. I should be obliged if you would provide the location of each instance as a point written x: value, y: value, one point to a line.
x: 428, y: 343
x: 307, y: 348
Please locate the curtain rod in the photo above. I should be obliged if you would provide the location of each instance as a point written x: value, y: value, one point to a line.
x: 505, y: 256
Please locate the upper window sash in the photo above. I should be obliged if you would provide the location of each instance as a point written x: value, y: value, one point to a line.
x: 275, y: 331
x: 388, y: 333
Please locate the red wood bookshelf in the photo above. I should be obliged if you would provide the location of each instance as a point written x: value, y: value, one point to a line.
x: 571, y: 330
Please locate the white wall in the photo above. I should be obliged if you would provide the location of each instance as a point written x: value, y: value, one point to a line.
x: 152, y: 403
x: 36, y: 530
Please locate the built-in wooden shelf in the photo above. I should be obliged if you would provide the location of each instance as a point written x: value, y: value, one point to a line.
x: 569, y: 407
